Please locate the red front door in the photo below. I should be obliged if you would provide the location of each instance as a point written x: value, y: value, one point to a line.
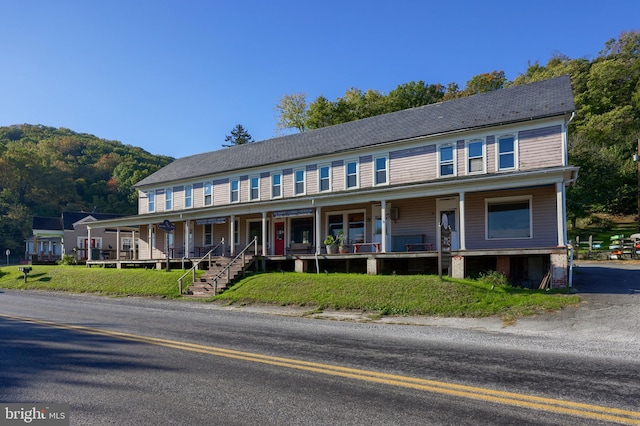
x: 279, y: 239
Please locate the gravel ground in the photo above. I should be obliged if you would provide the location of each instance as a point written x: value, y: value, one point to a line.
x: 609, y: 311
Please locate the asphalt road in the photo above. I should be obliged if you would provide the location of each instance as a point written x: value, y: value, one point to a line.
x: 141, y: 362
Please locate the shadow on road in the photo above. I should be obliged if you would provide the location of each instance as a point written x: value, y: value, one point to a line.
x: 607, y: 279
x: 33, y: 355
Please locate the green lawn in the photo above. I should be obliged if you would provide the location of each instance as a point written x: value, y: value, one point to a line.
x: 382, y: 295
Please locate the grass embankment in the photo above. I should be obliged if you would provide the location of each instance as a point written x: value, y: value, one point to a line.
x: 384, y: 295
x: 106, y: 281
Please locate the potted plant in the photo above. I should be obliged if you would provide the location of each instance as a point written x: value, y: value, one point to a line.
x: 333, y: 243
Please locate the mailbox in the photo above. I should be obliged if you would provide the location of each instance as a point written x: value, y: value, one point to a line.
x: 25, y: 270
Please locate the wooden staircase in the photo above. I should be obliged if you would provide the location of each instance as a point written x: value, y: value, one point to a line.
x: 225, y: 271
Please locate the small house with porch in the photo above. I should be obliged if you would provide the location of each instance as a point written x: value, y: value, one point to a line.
x: 493, y: 167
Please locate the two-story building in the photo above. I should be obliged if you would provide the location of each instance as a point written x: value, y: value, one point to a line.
x: 493, y: 166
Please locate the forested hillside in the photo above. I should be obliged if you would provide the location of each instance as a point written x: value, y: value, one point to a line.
x: 603, y: 134
x: 46, y: 170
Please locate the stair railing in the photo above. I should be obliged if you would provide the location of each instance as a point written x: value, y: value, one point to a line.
x: 227, y: 269
x: 194, y: 268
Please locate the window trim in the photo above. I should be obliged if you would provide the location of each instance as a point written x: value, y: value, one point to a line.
x: 232, y: 191
x: 508, y: 200
x: 168, y: 199
x: 151, y: 201
x: 453, y: 162
x: 296, y: 182
x: 468, y: 157
x: 252, y: 189
x: 328, y: 178
x: 188, y: 196
x: 386, y: 170
x: 514, y: 152
x: 346, y: 174
x: 210, y: 195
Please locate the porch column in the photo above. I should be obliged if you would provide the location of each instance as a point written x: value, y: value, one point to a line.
x: 560, y: 206
x: 383, y: 225
x: 149, y: 241
x: 264, y: 233
x: 117, y: 243
x: 34, y: 249
x: 318, y: 229
x: 463, y: 219
x: 133, y: 245
x: 88, y: 248
x: 232, y: 230
x: 186, y: 239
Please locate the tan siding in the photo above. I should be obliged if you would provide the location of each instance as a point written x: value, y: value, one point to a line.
x: 412, y: 165
x: 287, y: 183
x: 198, y: 195
x: 178, y: 198
x: 416, y: 217
x: 143, y: 203
x: 491, y: 154
x: 337, y: 176
x: 221, y: 193
x: 460, y: 158
x: 365, y: 164
x: 311, y: 179
x: 540, y: 147
x: 543, y: 208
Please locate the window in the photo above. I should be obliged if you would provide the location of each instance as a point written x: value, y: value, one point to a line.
x: 234, y: 196
x: 151, y: 201
x: 208, y: 194
x: 506, y: 153
x: 381, y: 170
x: 356, y: 228
x: 302, y: 230
x: 254, y: 188
x: 475, y: 157
x: 446, y: 160
x: 255, y: 231
x: 208, y: 234
x: 188, y: 196
x: 276, y: 185
x: 168, y: 199
x: 323, y: 178
x: 299, y: 182
x: 509, y: 218
x: 352, y: 174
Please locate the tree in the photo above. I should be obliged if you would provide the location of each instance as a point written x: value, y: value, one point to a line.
x: 292, y: 110
x: 239, y: 136
x: 414, y: 94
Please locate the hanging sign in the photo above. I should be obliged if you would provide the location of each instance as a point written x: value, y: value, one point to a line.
x: 211, y: 221
x: 296, y: 212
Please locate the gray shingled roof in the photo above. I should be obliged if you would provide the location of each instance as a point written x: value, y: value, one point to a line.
x: 519, y: 103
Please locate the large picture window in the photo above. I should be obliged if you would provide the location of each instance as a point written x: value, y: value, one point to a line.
x: 508, y: 218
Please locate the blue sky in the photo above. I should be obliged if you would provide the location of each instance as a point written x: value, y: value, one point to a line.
x: 175, y: 76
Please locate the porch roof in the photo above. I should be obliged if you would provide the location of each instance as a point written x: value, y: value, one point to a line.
x: 537, y: 100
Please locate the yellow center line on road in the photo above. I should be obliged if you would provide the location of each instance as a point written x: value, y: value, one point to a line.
x: 501, y: 397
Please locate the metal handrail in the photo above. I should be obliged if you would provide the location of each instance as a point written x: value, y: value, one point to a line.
x: 228, y: 267
x: 196, y: 264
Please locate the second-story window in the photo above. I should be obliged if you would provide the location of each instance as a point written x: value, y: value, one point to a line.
x: 324, y: 182
x: 235, y: 191
x: 446, y: 160
x: 299, y: 182
x: 208, y: 194
x: 475, y: 156
x: 151, y: 201
x: 506, y: 153
x: 276, y: 185
x: 351, y: 168
x: 254, y: 188
x: 188, y: 196
x: 381, y: 171
x: 168, y: 199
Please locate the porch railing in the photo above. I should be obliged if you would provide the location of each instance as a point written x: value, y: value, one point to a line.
x: 194, y: 268
x: 241, y: 255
